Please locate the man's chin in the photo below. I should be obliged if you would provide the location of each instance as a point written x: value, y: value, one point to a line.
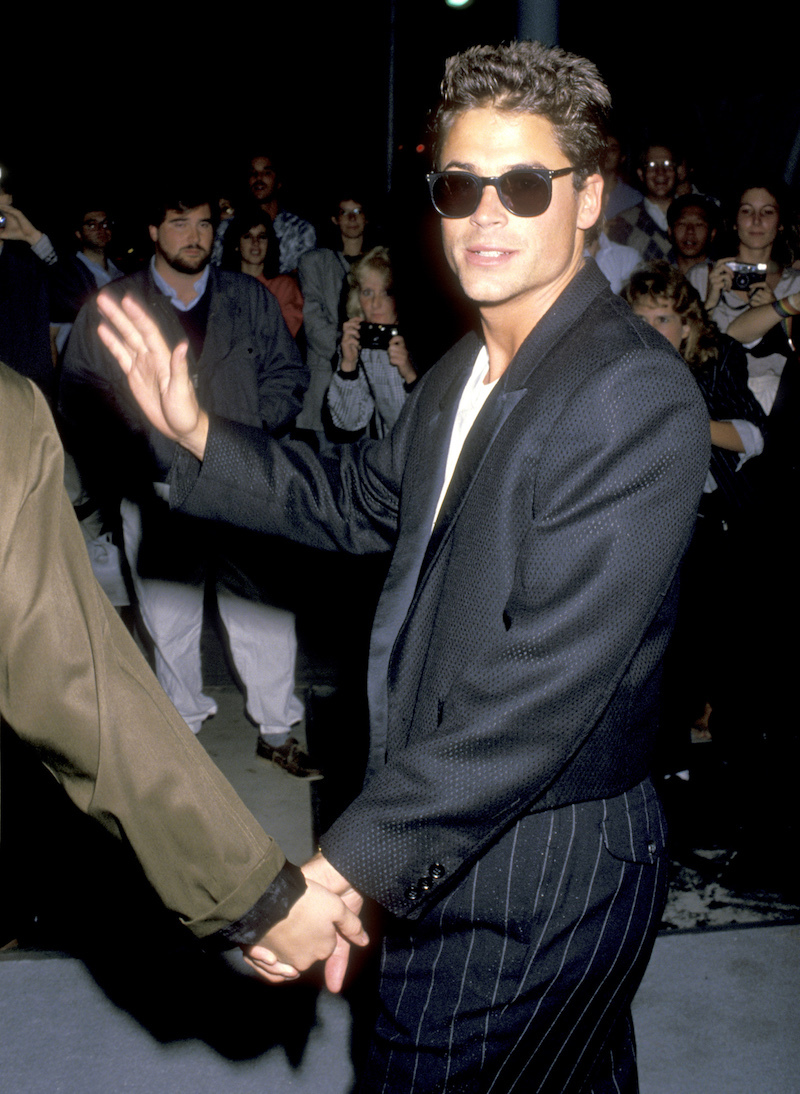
x: 190, y: 266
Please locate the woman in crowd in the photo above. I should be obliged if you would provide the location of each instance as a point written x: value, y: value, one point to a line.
x: 756, y: 310
x: 252, y: 247
x: 375, y: 370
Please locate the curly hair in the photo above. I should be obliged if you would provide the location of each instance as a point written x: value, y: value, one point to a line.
x: 377, y: 259
x: 245, y: 220
x: 660, y: 283
x: 529, y: 78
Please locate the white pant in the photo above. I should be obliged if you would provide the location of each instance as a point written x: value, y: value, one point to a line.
x: 262, y: 641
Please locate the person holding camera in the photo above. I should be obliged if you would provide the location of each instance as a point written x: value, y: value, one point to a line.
x: 749, y: 296
x: 375, y: 372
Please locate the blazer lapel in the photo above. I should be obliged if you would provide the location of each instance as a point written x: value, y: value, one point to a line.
x: 401, y: 581
x: 511, y: 388
x: 487, y: 425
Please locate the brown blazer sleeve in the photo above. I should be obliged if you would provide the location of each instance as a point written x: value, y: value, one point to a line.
x: 73, y: 685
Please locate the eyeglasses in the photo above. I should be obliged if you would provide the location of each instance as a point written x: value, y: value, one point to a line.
x: 654, y: 165
x: 525, y: 191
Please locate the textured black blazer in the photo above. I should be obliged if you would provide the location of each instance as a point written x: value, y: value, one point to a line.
x: 516, y: 649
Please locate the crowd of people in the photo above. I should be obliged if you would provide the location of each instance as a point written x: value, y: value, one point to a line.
x: 735, y: 269
x: 276, y: 339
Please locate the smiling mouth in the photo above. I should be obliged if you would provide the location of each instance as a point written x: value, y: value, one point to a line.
x: 488, y: 256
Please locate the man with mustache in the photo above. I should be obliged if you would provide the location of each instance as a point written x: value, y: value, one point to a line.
x: 245, y: 366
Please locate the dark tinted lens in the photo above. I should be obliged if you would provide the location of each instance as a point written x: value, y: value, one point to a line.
x: 455, y: 195
x: 525, y: 193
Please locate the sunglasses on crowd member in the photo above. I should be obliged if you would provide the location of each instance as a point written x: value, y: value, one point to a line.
x: 525, y: 191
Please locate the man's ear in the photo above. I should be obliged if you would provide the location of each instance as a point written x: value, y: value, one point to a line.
x: 153, y: 230
x: 590, y: 201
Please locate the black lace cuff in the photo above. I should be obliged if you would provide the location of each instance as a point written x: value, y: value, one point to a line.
x: 269, y: 909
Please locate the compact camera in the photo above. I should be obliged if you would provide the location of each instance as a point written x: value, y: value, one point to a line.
x: 746, y: 274
x: 377, y: 335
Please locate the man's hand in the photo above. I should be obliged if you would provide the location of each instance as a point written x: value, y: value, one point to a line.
x: 319, y: 926
x: 319, y: 870
x: 159, y: 380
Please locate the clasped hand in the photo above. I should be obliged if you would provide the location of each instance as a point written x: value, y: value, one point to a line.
x: 321, y: 926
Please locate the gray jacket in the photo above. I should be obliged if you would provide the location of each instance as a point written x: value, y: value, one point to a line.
x: 249, y: 371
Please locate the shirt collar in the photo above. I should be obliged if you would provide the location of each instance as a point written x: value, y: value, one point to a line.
x: 167, y: 289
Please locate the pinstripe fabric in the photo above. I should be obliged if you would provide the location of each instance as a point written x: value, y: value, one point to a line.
x: 530, y: 992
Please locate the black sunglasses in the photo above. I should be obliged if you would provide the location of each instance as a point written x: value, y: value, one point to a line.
x: 525, y: 191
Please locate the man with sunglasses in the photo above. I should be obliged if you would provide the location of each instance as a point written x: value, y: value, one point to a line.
x: 537, y: 494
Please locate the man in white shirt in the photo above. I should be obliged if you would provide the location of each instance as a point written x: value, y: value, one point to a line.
x: 537, y: 493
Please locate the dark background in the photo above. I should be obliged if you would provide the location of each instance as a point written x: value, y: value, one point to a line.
x: 105, y: 103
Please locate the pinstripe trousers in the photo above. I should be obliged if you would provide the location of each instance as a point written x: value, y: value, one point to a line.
x: 521, y: 978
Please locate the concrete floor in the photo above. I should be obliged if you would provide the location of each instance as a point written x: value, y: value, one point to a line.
x: 717, y: 1011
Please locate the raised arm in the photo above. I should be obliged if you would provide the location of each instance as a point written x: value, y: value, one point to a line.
x: 159, y: 380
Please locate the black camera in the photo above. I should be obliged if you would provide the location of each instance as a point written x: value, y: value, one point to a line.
x: 377, y: 335
x: 746, y: 274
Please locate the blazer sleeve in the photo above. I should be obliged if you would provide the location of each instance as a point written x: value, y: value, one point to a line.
x: 74, y: 686
x: 347, y: 500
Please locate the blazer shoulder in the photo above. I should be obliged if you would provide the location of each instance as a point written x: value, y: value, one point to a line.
x: 605, y: 346
x: 610, y: 328
x: 318, y: 259
x: 240, y: 289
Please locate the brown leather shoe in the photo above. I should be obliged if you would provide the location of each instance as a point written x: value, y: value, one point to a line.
x: 290, y: 757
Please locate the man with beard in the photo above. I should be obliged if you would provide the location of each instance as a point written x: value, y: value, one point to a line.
x: 245, y: 366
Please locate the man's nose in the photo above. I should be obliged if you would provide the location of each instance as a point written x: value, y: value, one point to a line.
x: 490, y: 208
